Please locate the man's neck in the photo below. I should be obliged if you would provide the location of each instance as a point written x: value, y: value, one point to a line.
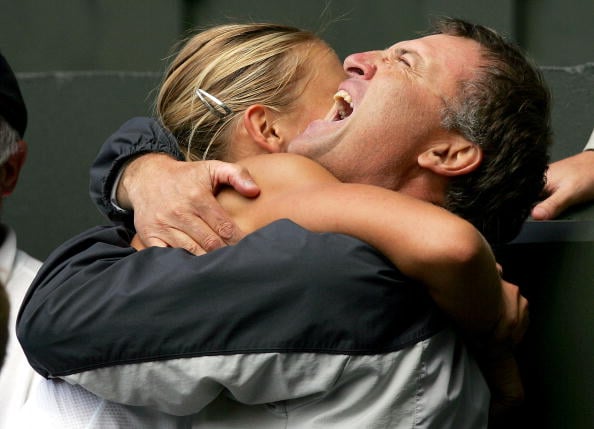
x: 427, y: 188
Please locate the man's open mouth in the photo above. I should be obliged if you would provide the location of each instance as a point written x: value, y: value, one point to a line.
x: 343, y: 106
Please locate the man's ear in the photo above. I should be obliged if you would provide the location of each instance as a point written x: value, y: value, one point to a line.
x: 454, y: 157
x: 9, y: 171
x: 259, y: 124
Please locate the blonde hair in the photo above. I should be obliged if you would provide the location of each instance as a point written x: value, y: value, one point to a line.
x: 241, y: 65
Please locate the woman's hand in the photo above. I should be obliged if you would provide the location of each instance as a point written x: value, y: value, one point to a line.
x: 497, y: 360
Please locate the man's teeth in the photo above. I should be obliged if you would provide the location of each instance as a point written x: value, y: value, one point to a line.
x: 344, y: 103
x: 342, y: 94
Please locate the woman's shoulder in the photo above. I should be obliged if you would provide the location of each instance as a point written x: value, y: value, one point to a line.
x: 286, y: 170
x: 279, y: 176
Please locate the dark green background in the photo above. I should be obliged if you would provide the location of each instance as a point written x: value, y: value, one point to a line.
x: 137, y: 34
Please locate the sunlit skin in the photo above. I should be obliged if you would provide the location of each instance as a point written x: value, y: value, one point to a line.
x: 312, y: 99
x: 314, y: 95
x: 397, y: 96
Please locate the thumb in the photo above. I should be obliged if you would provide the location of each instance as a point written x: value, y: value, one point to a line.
x: 236, y: 176
x: 551, y: 207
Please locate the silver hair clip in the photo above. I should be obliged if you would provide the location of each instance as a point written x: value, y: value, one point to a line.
x: 212, y: 103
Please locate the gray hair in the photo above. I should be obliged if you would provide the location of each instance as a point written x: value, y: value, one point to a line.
x: 9, y: 137
x: 505, y: 109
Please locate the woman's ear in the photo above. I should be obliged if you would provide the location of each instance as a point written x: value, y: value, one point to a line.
x: 455, y: 157
x: 259, y: 124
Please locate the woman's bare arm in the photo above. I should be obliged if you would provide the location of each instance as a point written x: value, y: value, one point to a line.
x: 425, y: 242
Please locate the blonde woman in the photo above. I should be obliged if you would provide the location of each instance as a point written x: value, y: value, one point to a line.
x: 259, y: 330
x: 290, y: 74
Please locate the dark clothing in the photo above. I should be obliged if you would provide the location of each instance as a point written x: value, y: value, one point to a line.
x: 97, y: 302
x: 137, y: 136
x: 285, y: 317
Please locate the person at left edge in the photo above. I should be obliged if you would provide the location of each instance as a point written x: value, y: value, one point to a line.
x: 17, y: 268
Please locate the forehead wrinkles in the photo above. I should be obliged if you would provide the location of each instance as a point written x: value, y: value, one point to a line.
x: 449, y: 61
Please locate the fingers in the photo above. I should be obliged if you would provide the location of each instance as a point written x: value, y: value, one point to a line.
x: 138, y: 244
x: 569, y: 182
x: 186, y: 232
x: 174, y: 203
x: 150, y: 242
x: 216, y: 222
x: 557, y: 200
x: 507, y: 390
x: 183, y: 241
x: 236, y: 176
x: 515, y: 318
x: 523, y: 320
x: 552, y: 206
x: 496, y: 356
x: 210, y: 225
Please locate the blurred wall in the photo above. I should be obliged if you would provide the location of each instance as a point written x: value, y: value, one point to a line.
x: 137, y: 34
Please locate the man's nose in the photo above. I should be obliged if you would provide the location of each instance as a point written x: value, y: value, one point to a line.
x: 360, y: 65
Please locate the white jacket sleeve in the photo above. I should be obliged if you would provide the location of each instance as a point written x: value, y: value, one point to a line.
x: 185, y: 386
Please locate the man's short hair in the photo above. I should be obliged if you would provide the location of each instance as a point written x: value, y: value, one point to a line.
x: 505, y: 109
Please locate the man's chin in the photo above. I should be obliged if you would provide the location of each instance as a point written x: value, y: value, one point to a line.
x: 319, y: 133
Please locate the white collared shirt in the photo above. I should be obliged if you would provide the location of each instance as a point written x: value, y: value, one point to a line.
x: 17, y: 270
